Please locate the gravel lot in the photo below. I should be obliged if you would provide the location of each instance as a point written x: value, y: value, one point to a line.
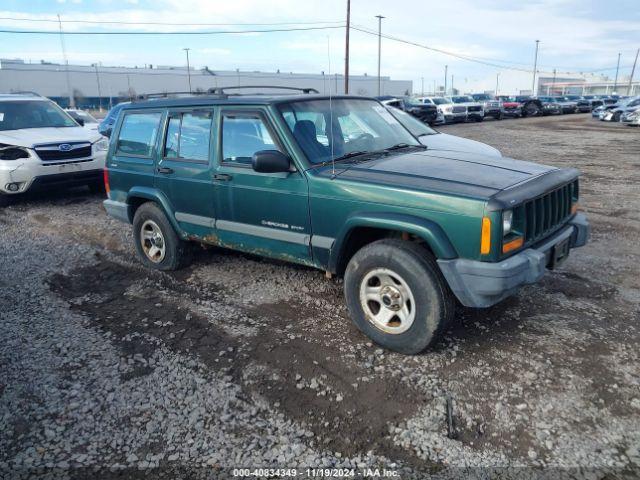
x: 108, y: 369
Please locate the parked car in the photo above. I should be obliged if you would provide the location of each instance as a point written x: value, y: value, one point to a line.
x: 529, y: 106
x: 510, y: 107
x: 106, y: 125
x: 631, y: 118
x: 491, y: 105
x: 340, y: 185
x: 443, y: 105
x: 435, y: 140
x: 583, y: 104
x: 602, y: 101
x: 84, y: 119
x: 614, y: 112
x: 566, y: 105
x: 473, y: 109
x: 550, y: 106
x: 425, y: 112
x: 41, y: 146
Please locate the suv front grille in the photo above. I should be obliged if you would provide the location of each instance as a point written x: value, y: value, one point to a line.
x: 53, y: 152
x: 545, y: 214
x: 459, y: 109
x: 474, y: 108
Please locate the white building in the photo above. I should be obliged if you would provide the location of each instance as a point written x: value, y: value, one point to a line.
x: 98, y: 85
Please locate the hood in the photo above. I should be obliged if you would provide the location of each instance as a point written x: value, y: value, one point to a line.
x: 461, y: 173
x: 443, y: 141
x: 29, y: 137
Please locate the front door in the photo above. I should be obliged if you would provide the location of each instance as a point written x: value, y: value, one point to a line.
x: 262, y: 213
x: 183, y: 170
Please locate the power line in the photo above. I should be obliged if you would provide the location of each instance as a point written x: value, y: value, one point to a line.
x: 183, y: 24
x: 210, y: 32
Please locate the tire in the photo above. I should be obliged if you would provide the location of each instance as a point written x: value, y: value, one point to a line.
x: 499, y: 116
x: 406, y: 277
x: 616, y: 117
x: 161, y: 249
x: 479, y: 119
x: 531, y: 109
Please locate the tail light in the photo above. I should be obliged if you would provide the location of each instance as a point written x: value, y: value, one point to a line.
x: 106, y: 181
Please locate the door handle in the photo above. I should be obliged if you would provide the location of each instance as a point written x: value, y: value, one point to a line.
x: 165, y: 170
x: 225, y: 177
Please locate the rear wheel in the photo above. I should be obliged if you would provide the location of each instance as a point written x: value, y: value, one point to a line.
x: 616, y: 117
x: 531, y: 109
x: 397, y: 295
x: 498, y: 116
x: 157, y: 243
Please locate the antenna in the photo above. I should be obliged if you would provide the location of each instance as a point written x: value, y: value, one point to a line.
x: 330, y: 137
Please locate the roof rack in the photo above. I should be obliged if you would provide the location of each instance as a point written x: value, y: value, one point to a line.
x: 148, y: 96
x: 221, y: 90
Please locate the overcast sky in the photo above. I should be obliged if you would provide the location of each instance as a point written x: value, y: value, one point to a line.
x: 575, y: 35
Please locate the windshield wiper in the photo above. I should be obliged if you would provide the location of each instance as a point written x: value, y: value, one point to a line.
x: 400, y: 146
x: 346, y: 156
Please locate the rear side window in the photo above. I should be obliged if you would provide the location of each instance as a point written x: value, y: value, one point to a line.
x: 188, y: 136
x: 138, y: 134
x: 243, y: 135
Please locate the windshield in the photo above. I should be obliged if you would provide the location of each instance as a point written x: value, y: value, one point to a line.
x: 439, y: 100
x: 15, y: 115
x: 411, y: 123
x: 482, y: 96
x: 350, y: 125
x: 462, y: 99
x: 80, y: 115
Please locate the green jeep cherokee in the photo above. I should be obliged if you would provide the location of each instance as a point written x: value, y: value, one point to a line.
x: 338, y: 184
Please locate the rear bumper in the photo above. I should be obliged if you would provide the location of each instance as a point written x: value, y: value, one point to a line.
x: 482, y: 284
x: 118, y: 210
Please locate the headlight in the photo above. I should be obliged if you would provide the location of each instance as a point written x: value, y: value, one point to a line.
x: 10, y: 152
x: 102, y: 145
x: 448, y: 109
x: 507, y: 221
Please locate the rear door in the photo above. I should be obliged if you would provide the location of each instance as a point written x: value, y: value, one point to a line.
x: 132, y: 163
x: 263, y: 213
x: 183, y: 170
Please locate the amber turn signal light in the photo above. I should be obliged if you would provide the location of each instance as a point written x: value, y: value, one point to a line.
x: 512, y: 244
x: 485, y: 237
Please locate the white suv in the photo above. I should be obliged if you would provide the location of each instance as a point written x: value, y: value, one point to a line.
x: 42, y: 146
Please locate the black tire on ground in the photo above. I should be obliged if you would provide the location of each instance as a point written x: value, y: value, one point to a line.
x: 531, y: 109
x: 175, y: 255
x: 479, y: 119
x: 499, y: 116
x: 433, y: 302
x: 616, y: 117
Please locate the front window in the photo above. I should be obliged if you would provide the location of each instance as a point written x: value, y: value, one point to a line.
x: 188, y: 136
x: 462, y: 99
x: 411, y: 123
x: 16, y: 115
x: 482, y: 97
x: 329, y: 130
x: 439, y: 101
x: 80, y: 115
x: 138, y: 134
x: 243, y: 134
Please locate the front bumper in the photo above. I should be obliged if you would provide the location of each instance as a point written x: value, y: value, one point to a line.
x: 31, y: 173
x: 482, y: 284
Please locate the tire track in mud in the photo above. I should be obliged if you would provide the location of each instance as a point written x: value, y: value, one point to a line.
x: 348, y: 409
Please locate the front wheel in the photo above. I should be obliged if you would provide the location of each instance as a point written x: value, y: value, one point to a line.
x: 397, y: 296
x: 157, y: 243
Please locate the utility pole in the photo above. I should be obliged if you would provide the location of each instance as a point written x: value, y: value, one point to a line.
x: 615, y: 82
x: 633, y: 70
x: 379, y: 17
x: 535, y: 67
x: 553, y: 82
x: 72, y: 100
x: 346, y: 51
x: 99, y: 91
x: 497, y: 82
x: 452, y: 92
x: 446, y: 67
x: 422, y: 89
x: 188, y: 68
x: 434, y: 88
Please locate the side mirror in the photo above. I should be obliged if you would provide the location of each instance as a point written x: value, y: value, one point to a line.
x: 80, y: 122
x: 270, y: 161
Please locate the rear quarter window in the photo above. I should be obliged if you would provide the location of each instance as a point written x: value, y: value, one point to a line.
x: 138, y: 134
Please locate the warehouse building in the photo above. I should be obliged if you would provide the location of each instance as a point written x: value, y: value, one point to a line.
x: 587, y: 84
x: 100, y: 87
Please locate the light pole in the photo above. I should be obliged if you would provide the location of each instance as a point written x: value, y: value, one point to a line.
x: 346, y: 50
x: 379, y: 17
x: 535, y: 66
x: 446, y: 67
x: 422, y: 89
x: 497, y: 82
x: 99, y: 90
x: 615, y: 82
x: 188, y: 68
